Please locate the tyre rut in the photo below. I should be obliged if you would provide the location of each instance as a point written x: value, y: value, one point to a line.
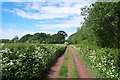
x: 82, y: 71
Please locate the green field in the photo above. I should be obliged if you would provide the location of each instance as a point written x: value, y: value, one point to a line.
x: 26, y: 60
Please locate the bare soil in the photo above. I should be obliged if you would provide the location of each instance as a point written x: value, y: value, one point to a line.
x: 54, y: 70
x: 82, y: 71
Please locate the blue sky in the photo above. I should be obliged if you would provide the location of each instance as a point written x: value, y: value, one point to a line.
x: 23, y: 17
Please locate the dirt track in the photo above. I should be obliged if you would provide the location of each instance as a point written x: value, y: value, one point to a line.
x: 54, y: 70
x: 81, y: 69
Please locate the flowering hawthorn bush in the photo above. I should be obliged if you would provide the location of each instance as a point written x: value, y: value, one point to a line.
x: 25, y: 61
x: 104, y: 61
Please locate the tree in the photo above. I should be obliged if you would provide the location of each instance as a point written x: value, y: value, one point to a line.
x: 59, y: 37
x: 4, y: 40
x: 101, y: 26
x: 72, y: 39
x: 45, y: 38
x: 26, y: 38
x: 48, y: 39
x: 62, y: 33
x: 15, y: 39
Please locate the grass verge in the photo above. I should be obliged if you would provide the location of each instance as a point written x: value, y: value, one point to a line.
x: 73, y: 67
x: 63, y: 69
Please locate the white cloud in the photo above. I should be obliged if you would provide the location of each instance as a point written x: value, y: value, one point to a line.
x: 67, y: 10
x: 10, y: 33
x: 65, y: 24
x: 36, y: 16
x: 50, y: 11
x: 29, y: 6
x: 61, y: 10
x: 59, y: 0
x: 51, y: 26
x: 23, y: 0
x: 46, y: 0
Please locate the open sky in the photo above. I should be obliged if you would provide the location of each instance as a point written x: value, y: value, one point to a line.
x: 20, y: 17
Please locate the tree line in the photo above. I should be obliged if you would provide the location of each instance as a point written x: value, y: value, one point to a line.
x: 58, y: 38
x: 101, y: 26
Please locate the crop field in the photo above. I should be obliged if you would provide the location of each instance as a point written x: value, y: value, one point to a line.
x: 33, y: 61
x: 28, y: 60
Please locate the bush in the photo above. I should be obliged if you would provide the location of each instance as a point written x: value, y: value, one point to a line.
x: 104, y: 61
x: 28, y: 61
